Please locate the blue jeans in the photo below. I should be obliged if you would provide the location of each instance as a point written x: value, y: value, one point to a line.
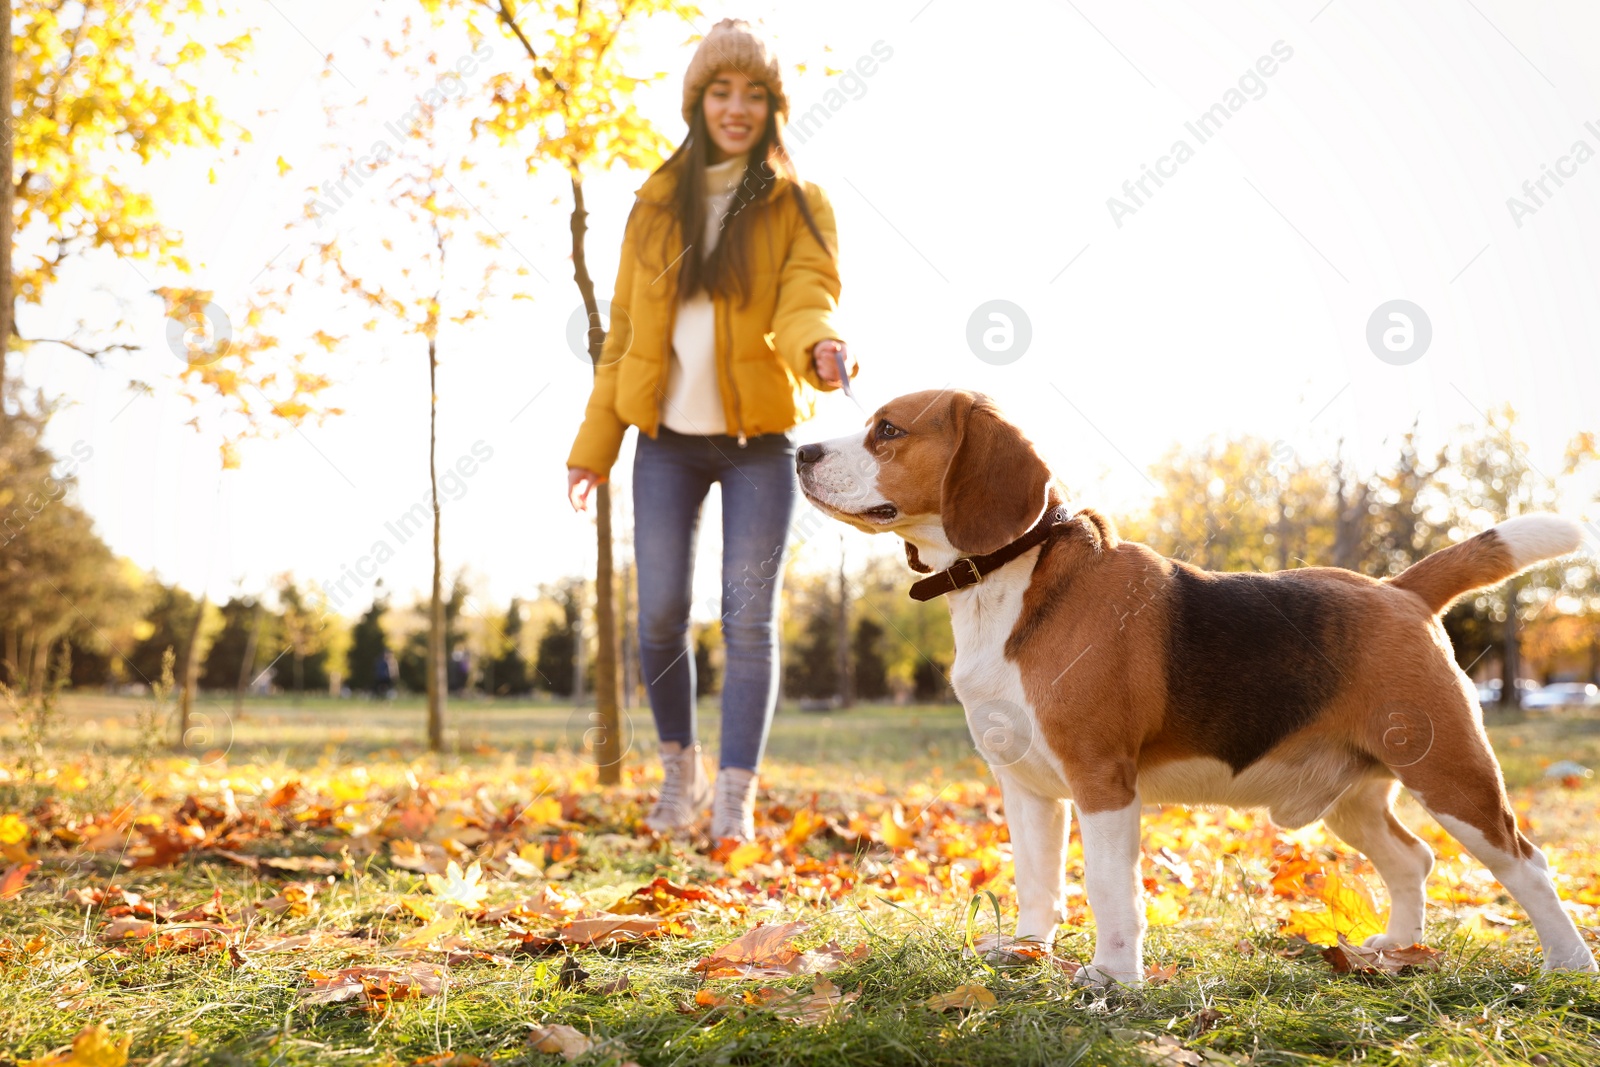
x: 672, y: 473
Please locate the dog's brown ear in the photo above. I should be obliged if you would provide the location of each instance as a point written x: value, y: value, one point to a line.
x: 995, y: 486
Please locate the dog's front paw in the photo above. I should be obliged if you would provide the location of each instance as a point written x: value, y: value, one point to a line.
x: 1105, y: 976
x: 1389, y: 941
x: 1576, y: 958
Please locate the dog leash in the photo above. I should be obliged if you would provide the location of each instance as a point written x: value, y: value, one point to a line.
x: 844, y: 379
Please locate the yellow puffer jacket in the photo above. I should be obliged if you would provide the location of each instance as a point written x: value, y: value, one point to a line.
x: 763, y: 345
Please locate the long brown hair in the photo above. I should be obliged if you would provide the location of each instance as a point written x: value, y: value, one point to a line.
x: 725, y: 272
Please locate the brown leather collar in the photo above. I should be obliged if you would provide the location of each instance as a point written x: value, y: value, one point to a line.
x: 970, y: 570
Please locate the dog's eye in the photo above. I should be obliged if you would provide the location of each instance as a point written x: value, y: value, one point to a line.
x: 889, y: 429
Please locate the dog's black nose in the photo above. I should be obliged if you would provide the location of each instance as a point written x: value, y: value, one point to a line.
x: 807, y: 454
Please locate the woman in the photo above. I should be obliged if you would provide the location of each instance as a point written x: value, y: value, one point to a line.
x: 717, y: 344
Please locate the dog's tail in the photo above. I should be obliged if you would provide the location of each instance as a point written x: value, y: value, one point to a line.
x: 1490, y: 557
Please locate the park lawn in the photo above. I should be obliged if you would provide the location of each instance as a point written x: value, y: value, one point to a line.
x: 879, y: 832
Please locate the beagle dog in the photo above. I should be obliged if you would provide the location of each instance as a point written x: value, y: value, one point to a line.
x: 1094, y: 670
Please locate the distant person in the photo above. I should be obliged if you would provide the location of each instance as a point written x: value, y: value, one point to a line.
x: 460, y: 670
x: 383, y: 675
x: 390, y: 669
x: 722, y: 329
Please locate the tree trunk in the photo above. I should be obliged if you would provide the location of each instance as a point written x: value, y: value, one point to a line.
x: 436, y: 642
x: 40, y: 680
x: 7, y: 189
x: 247, y: 665
x: 847, y: 681
x: 630, y: 650
x: 189, y: 675
x: 1511, y: 651
x: 608, y: 716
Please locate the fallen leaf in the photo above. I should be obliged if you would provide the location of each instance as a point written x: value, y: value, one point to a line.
x: 1160, y: 975
x: 962, y: 998
x: 559, y: 1037
x: 93, y: 1047
x: 376, y: 985
x: 1167, y: 1052
x: 662, y: 897
x: 427, y: 935
x: 123, y: 929
x: 1350, y: 914
x: 768, y: 951
x: 1346, y: 958
x: 461, y: 889
x: 1010, y: 946
x: 746, y: 855
x: 602, y: 930
x: 301, y: 864
x: 451, y: 1059
x: 12, y: 881
x: 822, y: 1004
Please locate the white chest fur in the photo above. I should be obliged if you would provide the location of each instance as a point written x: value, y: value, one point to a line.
x: 1004, y: 725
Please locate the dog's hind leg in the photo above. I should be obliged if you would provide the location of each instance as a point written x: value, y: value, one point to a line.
x: 1363, y: 819
x: 1458, y: 781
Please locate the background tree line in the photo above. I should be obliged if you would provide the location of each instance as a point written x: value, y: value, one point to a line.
x: 70, y: 608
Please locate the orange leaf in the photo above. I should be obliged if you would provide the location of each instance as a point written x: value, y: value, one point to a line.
x: 11, y: 882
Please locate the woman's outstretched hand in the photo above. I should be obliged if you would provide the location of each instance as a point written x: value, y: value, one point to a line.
x: 580, y: 483
x: 822, y: 358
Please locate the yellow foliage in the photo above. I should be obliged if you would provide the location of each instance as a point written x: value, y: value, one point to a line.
x: 93, y: 1047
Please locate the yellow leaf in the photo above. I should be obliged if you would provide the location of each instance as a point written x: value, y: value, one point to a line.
x: 746, y: 854
x: 93, y: 1047
x: 283, y: 167
x: 963, y: 998
x: 1350, y: 912
x: 894, y: 835
x: 1162, y: 910
x: 420, y: 908
x: 542, y: 812
x: 12, y: 829
x: 430, y: 933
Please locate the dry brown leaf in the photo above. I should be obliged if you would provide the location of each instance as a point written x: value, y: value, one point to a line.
x: 451, y: 1059
x: 123, y: 929
x: 962, y: 998
x: 763, y: 952
x: 301, y: 864
x: 559, y: 1037
x: 1160, y: 975
x: 822, y: 1004
x: 605, y: 929
x: 1165, y: 1051
x: 1346, y: 958
x: 769, y: 952
x: 315, y: 939
x: 376, y: 985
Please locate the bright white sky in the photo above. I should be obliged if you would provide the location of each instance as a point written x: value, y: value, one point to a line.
x: 974, y: 164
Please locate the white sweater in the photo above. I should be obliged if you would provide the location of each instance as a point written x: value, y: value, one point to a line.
x: 693, y: 400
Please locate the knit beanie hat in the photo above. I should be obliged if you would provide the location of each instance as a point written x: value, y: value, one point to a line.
x: 733, y: 45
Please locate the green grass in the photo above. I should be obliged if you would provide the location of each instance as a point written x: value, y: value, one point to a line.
x: 1488, y: 1003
